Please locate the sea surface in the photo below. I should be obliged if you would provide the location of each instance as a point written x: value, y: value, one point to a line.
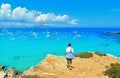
x: 21, y: 48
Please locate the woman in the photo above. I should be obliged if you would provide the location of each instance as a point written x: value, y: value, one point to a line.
x: 69, y: 56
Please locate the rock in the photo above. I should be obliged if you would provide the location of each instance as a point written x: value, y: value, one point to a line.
x: 2, y: 74
x: 2, y: 67
x: 2, y: 71
x: 11, y: 73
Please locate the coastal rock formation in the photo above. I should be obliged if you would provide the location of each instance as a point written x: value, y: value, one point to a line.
x: 2, y: 72
x: 2, y: 67
x: 10, y: 73
x: 55, y: 67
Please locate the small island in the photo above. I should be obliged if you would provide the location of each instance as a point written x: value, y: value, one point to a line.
x: 113, y: 32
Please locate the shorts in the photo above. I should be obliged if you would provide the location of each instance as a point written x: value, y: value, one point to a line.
x: 68, y: 59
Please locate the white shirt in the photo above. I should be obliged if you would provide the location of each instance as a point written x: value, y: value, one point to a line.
x: 68, y: 50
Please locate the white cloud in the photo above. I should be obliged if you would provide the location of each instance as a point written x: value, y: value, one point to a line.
x: 5, y: 12
x: 51, y: 17
x: 44, y: 17
x: 62, y: 18
x: 73, y: 22
x: 19, y: 13
x: 20, y: 16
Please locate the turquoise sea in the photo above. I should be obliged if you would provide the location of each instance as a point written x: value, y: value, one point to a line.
x: 21, y: 48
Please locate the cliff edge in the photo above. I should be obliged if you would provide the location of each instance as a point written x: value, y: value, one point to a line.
x: 55, y: 67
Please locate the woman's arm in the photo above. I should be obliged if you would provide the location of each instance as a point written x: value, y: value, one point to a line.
x: 72, y: 51
x: 66, y: 53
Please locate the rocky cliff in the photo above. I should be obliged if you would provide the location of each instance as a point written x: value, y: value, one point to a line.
x: 55, y: 67
x: 10, y: 73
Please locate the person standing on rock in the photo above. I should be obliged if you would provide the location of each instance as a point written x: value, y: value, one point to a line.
x: 69, y: 56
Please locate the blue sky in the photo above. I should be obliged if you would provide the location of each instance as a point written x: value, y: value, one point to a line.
x: 83, y: 13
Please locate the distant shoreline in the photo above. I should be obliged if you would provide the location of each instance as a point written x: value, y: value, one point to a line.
x: 66, y: 27
x: 113, y: 32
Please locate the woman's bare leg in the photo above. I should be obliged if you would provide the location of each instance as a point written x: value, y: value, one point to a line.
x: 68, y: 63
x: 71, y: 64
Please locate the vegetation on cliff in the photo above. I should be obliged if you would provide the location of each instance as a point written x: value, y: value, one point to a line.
x: 100, y: 54
x: 84, y: 55
x: 113, y: 71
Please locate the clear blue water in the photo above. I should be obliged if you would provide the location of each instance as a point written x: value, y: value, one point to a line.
x: 22, y: 48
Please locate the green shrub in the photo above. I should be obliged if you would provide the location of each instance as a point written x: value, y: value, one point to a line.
x: 113, y: 71
x: 84, y: 55
x: 29, y: 76
x: 100, y: 54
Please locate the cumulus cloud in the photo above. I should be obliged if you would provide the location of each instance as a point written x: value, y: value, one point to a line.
x: 51, y: 17
x: 5, y: 12
x: 21, y: 15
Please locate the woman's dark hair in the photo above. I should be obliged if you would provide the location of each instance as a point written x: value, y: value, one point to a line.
x: 69, y: 44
